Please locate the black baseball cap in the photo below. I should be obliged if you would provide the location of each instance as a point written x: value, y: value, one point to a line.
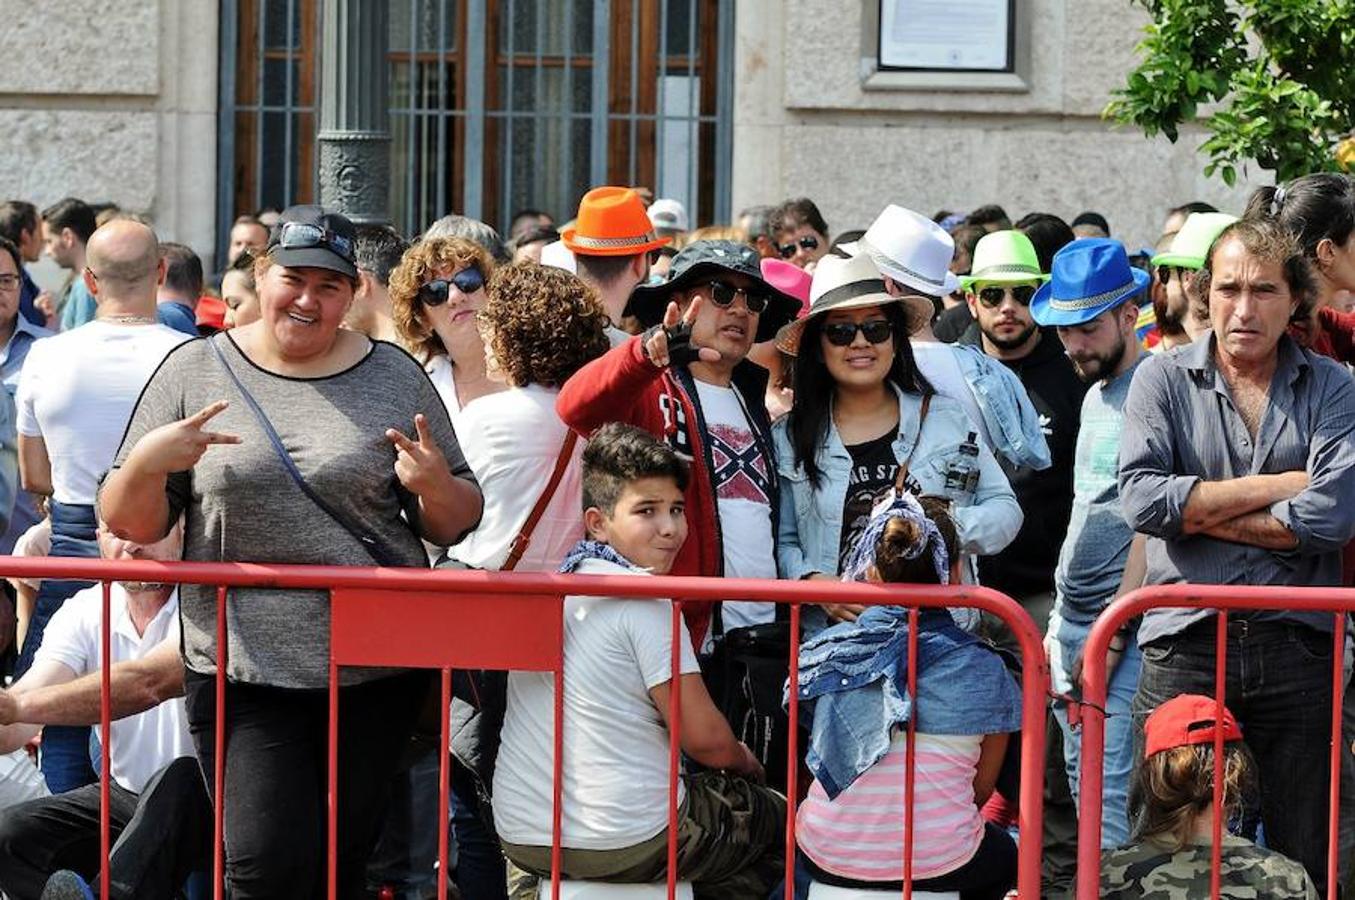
x: 310, y: 237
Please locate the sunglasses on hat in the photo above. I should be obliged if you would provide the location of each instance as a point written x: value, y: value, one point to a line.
x: 722, y: 294
x: 467, y: 281
x: 841, y: 334
x: 808, y: 242
x: 992, y: 297
x: 304, y: 236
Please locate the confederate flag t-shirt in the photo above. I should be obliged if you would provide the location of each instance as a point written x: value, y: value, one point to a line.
x: 741, y: 476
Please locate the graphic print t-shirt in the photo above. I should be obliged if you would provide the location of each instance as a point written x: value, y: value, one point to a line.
x: 874, y: 468
x: 741, y: 476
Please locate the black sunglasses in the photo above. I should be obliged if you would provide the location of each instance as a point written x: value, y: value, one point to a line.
x: 722, y: 295
x: 1164, y: 273
x: 992, y: 297
x: 303, y: 235
x: 467, y: 281
x: 808, y: 242
x: 841, y: 334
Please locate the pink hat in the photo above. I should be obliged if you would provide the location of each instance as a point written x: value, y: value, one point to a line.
x: 789, y: 279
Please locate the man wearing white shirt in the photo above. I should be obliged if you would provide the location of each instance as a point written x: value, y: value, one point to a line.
x: 75, y: 396
x: 157, y: 793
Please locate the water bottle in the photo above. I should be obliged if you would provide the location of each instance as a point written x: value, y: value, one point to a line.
x: 962, y: 473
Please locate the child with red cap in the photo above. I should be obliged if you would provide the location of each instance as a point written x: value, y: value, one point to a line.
x: 1172, y: 857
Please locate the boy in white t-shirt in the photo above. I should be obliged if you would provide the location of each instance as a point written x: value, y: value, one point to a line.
x: 618, y: 673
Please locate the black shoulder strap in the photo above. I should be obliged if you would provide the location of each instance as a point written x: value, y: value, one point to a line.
x: 372, y: 545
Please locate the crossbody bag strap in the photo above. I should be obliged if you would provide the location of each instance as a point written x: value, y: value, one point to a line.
x: 524, y: 536
x: 369, y: 543
x: 902, y: 477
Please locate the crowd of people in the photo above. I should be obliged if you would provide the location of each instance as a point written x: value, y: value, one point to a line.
x: 958, y: 398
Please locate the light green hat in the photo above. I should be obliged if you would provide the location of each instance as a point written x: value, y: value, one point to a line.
x: 1192, y: 242
x: 1004, y: 257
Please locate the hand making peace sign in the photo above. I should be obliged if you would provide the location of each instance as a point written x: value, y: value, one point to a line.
x: 178, y: 446
x: 419, y: 464
x: 670, y: 344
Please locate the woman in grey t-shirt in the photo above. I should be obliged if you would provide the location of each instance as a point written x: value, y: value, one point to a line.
x: 367, y: 432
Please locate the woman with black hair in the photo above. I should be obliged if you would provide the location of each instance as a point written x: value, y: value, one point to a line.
x: 864, y: 418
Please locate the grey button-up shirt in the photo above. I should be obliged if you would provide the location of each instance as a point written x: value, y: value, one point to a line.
x: 1181, y: 427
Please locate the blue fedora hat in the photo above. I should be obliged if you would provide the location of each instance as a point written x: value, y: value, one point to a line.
x: 1087, y: 278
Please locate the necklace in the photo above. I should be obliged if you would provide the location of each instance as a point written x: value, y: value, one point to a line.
x: 129, y: 320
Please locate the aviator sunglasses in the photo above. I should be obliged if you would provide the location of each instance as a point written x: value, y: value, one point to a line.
x: 841, y: 334
x: 991, y: 297
x: 722, y: 295
x: 808, y: 242
x: 467, y: 281
x: 304, y: 236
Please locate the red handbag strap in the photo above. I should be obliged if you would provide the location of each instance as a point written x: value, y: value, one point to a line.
x: 519, y: 546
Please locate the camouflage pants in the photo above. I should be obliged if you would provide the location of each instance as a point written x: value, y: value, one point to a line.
x: 730, y: 845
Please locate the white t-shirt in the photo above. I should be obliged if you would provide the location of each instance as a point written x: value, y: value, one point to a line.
x: 741, y: 478
x: 615, y: 766
x: 512, y: 443
x: 77, y: 392
x: 439, y: 371
x: 147, y: 742
x: 937, y: 362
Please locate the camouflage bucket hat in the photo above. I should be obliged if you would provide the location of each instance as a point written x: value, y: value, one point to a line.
x: 706, y: 259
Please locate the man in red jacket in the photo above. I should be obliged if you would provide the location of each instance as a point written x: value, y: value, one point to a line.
x: 687, y: 381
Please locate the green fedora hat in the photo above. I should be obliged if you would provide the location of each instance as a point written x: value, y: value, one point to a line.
x: 1192, y: 242
x: 1004, y: 257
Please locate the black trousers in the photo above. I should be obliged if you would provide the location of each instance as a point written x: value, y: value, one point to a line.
x: 277, y: 771
x: 161, y: 836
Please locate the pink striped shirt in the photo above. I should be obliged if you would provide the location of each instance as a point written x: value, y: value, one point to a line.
x: 859, y: 835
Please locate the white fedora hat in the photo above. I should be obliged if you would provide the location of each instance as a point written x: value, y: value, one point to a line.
x: 912, y: 250
x: 851, y: 283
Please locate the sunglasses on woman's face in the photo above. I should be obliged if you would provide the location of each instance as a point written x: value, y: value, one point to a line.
x: 992, y: 297
x: 841, y: 334
x: 467, y: 281
x: 722, y: 294
x: 808, y: 242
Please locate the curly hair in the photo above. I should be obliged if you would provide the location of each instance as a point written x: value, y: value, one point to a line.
x: 542, y: 324
x: 420, y: 265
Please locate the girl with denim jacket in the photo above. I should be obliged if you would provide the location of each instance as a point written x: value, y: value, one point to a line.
x: 853, y: 682
x: 861, y: 411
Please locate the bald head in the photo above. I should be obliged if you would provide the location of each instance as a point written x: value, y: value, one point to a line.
x: 124, y: 257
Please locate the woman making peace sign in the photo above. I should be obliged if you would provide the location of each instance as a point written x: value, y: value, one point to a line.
x: 290, y: 440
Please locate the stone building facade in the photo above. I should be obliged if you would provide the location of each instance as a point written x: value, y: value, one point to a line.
x: 118, y: 100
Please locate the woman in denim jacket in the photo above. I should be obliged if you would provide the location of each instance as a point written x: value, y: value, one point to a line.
x: 859, y: 416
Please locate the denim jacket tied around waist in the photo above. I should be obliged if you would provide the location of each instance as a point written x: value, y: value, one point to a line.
x: 853, y: 681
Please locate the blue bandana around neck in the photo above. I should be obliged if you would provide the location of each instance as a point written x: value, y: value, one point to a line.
x: 902, y: 505
x: 590, y: 549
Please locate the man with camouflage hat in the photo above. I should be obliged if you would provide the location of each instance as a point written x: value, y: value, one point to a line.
x: 687, y: 381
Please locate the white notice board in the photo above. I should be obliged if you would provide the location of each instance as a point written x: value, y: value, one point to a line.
x: 951, y: 35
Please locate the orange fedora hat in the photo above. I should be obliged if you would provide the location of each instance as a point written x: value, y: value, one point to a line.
x: 611, y: 222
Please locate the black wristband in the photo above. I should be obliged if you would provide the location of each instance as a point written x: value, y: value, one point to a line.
x: 681, y: 350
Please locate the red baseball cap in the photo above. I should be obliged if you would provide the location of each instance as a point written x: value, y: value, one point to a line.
x: 1184, y: 720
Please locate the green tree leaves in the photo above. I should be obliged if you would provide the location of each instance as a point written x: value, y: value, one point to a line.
x: 1274, y: 67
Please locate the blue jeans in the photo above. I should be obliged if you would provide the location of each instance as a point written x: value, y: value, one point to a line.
x: 65, y: 757
x: 406, y: 854
x: 1278, y: 685
x: 480, y: 870
x: 1064, y: 642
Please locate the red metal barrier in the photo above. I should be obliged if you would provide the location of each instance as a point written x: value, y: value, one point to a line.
x: 487, y: 620
x: 1338, y: 601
